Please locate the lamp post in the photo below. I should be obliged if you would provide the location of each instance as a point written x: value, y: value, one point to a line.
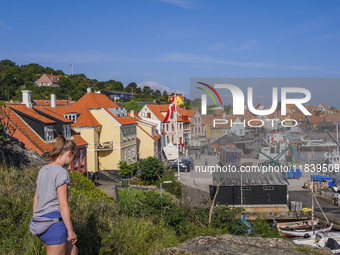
x: 161, y: 185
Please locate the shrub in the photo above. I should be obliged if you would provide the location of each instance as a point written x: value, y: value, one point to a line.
x: 260, y: 227
x: 175, y: 187
x: 126, y: 169
x: 151, y: 169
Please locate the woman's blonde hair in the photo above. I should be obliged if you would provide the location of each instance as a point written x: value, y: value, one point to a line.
x: 62, y: 145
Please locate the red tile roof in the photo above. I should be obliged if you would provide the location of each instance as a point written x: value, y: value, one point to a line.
x: 93, y: 101
x: 58, y: 102
x: 34, y: 139
x: 30, y: 112
x: 162, y: 108
x: 49, y: 111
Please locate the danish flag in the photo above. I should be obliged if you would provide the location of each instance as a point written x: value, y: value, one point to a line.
x: 172, y: 108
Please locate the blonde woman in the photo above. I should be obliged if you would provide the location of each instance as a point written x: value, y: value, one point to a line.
x: 51, y: 199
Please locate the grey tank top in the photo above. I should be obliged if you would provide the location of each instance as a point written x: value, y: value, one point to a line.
x: 50, y: 177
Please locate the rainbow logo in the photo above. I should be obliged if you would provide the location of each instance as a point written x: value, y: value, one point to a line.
x: 209, y: 93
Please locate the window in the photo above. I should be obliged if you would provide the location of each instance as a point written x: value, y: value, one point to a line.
x: 133, y: 153
x: 67, y: 131
x: 245, y: 188
x: 124, y: 131
x: 129, y: 155
x: 124, y: 155
x: 172, y: 138
x: 167, y: 140
x: 48, y: 133
x: 81, y: 157
x: 268, y: 188
x: 75, y: 162
x: 128, y: 134
x: 82, y: 169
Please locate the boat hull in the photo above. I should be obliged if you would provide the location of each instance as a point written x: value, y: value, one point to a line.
x: 301, y: 232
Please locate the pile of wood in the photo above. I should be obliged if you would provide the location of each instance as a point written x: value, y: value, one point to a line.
x: 317, y: 185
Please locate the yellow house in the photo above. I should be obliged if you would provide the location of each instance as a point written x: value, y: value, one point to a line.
x: 179, y: 99
x: 148, y: 139
x: 213, y: 133
x: 107, y: 128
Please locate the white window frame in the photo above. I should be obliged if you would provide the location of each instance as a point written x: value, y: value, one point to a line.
x: 81, y: 157
x: 67, y: 131
x: 48, y: 133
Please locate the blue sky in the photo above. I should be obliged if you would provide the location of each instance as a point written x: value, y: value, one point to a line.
x: 164, y: 43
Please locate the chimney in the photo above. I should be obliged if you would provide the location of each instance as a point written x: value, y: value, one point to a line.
x: 26, y: 98
x: 53, y: 101
x: 132, y: 113
x: 89, y: 90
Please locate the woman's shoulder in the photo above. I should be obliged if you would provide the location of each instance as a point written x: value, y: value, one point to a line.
x: 53, y: 169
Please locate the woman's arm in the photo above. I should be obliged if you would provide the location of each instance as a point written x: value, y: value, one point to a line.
x: 65, y: 212
x: 35, y: 201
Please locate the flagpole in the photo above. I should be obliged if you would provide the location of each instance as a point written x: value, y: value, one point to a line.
x: 177, y: 138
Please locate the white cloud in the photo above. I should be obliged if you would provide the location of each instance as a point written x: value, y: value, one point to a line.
x: 248, y: 45
x: 155, y: 85
x: 220, y: 46
x: 203, y: 59
x: 180, y: 3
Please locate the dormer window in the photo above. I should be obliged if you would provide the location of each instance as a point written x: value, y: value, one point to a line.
x: 48, y: 133
x: 71, y: 116
x: 67, y: 131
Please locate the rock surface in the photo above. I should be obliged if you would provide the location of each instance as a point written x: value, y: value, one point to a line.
x: 14, y: 153
x: 240, y: 245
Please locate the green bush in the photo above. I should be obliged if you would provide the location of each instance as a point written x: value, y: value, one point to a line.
x: 175, y: 187
x: 80, y: 184
x: 126, y: 169
x: 260, y: 227
x: 151, y: 169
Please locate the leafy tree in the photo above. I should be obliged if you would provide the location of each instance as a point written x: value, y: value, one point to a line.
x: 227, y: 108
x: 132, y: 105
x: 146, y: 89
x: 131, y: 87
x: 126, y: 169
x: 114, y: 85
x: 151, y: 169
x: 157, y: 93
x: 165, y: 94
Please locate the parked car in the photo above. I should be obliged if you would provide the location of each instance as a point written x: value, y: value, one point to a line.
x: 183, y: 167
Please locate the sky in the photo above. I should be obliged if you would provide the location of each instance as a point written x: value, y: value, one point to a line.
x: 165, y: 43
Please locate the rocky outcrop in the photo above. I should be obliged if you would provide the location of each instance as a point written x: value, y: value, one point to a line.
x: 237, y: 245
x: 13, y: 153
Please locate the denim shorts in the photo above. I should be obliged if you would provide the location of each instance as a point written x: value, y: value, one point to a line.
x: 57, y: 233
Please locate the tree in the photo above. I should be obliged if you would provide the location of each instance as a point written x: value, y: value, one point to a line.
x: 227, y: 108
x: 151, y: 169
x: 131, y: 87
x: 157, y: 93
x: 126, y: 169
x: 132, y: 105
x: 146, y: 89
x: 165, y: 95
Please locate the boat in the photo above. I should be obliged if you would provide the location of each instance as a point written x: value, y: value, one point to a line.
x: 306, y: 228
x: 315, y: 145
x: 302, y: 231
x: 330, y: 240
x: 296, y: 224
x: 275, y: 143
